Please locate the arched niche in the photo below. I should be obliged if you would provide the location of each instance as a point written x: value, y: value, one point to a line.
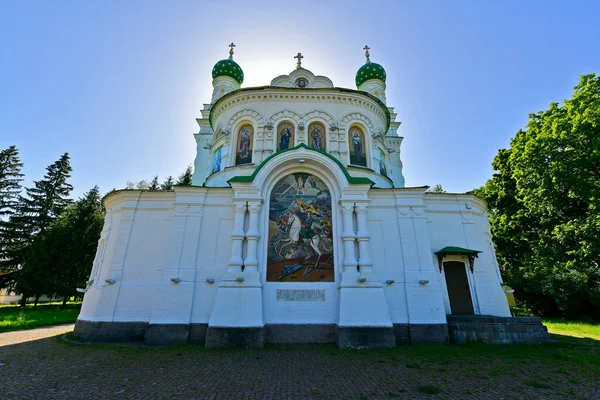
x: 244, y: 144
x: 300, y: 241
x: 317, y: 136
x: 217, y: 160
x: 357, y: 146
x: 381, y: 162
x: 285, y: 135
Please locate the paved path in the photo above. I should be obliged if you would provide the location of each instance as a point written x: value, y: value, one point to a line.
x: 36, y: 366
x: 8, y: 338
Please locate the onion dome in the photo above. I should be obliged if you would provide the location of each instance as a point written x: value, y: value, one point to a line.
x: 370, y: 70
x: 229, y: 68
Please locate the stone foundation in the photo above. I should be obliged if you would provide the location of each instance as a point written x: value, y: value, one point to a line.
x: 365, y: 338
x: 167, y: 334
x: 428, y: 333
x: 241, y: 338
x: 497, y: 330
x: 90, y: 331
x: 309, y: 333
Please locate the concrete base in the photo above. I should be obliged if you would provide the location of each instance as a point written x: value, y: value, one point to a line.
x: 428, y: 333
x: 244, y: 338
x: 310, y: 333
x: 167, y: 334
x: 365, y: 338
x: 103, y: 332
x: 497, y: 330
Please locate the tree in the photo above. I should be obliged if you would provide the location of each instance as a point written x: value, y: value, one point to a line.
x: 41, y: 205
x: 544, y: 202
x: 436, y: 189
x: 186, y: 177
x: 141, y: 185
x: 62, y: 256
x: 168, y: 183
x: 10, y: 188
x: 154, y: 184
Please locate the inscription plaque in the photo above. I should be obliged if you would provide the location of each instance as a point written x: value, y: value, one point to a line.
x: 300, y: 294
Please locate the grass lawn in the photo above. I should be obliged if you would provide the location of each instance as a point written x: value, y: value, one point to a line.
x: 15, y: 318
x: 564, y: 327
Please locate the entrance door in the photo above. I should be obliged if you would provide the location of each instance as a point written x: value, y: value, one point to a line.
x: 458, y: 288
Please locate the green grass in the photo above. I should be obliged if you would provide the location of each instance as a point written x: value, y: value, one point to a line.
x: 560, y: 326
x: 15, y: 318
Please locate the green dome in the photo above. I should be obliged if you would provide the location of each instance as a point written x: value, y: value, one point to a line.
x: 228, y: 68
x: 368, y: 71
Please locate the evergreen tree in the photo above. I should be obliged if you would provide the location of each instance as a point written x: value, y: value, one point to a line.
x: 10, y: 188
x: 41, y: 205
x: 168, y: 183
x: 186, y: 177
x: 154, y: 184
x: 62, y: 256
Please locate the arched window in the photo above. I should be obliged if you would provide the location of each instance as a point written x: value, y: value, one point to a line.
x: 285, y: 136
x: 217, y: 158
x: 382, y: 162
x: 316, y: 136
x: 243, y: 154
x: 358, y: 146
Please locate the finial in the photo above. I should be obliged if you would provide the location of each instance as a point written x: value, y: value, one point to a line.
x: 299, y: 56
x: 231, y: 46
x: 366, y: 49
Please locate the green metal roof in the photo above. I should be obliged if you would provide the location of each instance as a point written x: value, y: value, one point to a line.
x: 456, y: 250
x: 368, y: 71
x: 228, y: 68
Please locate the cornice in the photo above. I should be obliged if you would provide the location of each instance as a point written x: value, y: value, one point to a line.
x: 276, y: 94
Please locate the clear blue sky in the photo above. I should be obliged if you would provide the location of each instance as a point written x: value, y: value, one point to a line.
x: 118, y: 84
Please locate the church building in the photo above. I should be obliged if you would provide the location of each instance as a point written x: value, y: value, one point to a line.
x: 298, y: 228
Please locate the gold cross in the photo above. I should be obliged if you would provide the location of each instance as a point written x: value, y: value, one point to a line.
x: 299, y: 56
x: 366, y: 49
x: 231, y: 46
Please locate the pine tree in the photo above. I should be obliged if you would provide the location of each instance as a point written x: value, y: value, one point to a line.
x: 10, y: 181
x: 186, y: 177
x: 168, y: 183
x: 63, y: 255
x: 41, y: 205
x: 10, y: 188
x: 154, y: 184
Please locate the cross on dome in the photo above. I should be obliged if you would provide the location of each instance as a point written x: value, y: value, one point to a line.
x: 299, y: 56
x: 366, y: 49
x: 231, y: 46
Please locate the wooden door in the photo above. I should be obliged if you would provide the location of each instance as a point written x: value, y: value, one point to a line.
x: 458, y: 288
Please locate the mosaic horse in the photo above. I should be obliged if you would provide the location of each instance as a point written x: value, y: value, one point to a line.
x: 316, y: 242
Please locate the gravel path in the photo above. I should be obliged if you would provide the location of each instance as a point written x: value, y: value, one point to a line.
x: 34, y: 365
x: 8, y: 338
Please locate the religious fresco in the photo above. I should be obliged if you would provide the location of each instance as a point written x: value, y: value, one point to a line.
x: 244, y: 145
x: 357, y: 147
x: 285, y: 138
x: 300, y: 247
x: 217, y: 158
x: 382, y: 169
x: 316, y: 136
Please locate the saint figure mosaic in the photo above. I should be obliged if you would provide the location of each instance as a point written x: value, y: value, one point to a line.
x: 300, y: 247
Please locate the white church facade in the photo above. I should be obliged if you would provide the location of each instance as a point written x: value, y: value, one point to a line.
x: 298, y: 228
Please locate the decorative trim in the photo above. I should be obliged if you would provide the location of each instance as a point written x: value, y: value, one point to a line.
x: 457, y: 251
x: 351, y: 179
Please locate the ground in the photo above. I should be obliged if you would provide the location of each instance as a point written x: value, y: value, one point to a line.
x: 37, y: 364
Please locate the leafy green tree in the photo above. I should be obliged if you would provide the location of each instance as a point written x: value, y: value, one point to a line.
x: 62, y: 256
x: 168, y: 183
x: 10, y: 188
x: 544, y: 202
x: 186, y: 177
x: 40, y: 206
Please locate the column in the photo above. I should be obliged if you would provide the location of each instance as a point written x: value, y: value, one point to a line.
x: 237, y: 237
x: 253, y: 235
x: 362, y: 235
x: 348, y: 237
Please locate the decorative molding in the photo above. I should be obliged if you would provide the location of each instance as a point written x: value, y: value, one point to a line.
x: 353, y: 117
x: 245, y: 113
